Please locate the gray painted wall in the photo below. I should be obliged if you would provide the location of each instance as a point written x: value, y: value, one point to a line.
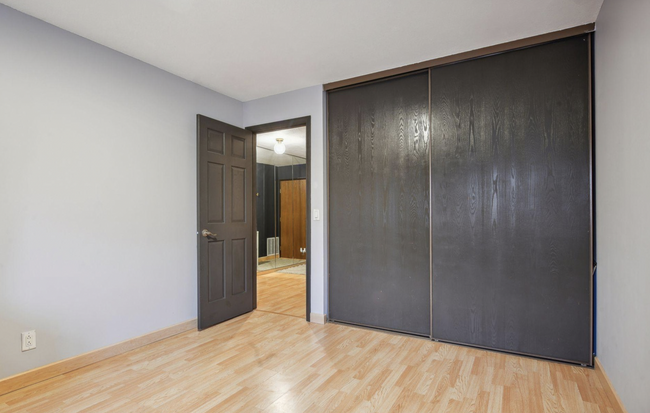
x: 304, y: 102
x: 623, y: 198
x: 97, y: 193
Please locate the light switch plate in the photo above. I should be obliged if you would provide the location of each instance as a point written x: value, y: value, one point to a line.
x: 28, y: 340
x: 316, y: 215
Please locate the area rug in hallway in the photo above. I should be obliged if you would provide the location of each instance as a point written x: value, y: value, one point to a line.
x: 298, y: 269
x: 275, y: 263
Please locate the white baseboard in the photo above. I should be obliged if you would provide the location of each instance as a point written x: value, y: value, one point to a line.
x: 318, y: 318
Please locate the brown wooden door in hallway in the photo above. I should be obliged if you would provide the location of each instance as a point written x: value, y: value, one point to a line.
x: 293, y: 218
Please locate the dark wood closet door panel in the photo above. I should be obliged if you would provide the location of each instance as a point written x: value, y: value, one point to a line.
x: 511, y: 254
x: 379, y: 204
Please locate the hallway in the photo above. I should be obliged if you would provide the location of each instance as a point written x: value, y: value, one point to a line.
x: 282, y: 293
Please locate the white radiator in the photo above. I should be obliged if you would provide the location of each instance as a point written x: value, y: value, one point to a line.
x: 273, y: 246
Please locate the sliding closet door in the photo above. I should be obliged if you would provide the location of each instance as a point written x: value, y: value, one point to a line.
x: 379, y: 204
x: 511, y: 206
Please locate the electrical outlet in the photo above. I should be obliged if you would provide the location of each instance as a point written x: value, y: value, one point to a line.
x: 28, y: 340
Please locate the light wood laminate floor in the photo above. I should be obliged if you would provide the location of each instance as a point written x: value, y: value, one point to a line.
x: 266, y: 362
x: 282, y: 293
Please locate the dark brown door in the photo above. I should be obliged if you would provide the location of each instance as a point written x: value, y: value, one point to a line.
x: 225, y: 221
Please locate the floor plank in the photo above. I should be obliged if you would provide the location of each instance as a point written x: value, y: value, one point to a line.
x: 282, y: 293
x: 267, y: 362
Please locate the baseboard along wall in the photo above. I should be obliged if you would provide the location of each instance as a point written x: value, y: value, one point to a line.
x: 49, y: 371
x: 607, y: 385
x: 318, y: 318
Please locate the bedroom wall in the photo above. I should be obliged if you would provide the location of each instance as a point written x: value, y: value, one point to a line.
x: 622, y: 66
x: 98, y: 184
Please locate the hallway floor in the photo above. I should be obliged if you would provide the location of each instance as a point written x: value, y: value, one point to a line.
x: 282, y: 293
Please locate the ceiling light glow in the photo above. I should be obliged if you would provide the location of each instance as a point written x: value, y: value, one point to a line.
x: 279, y: 147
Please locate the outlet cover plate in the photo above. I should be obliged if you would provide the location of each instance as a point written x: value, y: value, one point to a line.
x: 28, y: 340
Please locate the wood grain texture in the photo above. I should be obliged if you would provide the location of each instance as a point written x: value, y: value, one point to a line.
x: 379, y: 204
x: 511, y: 257
x: 49, y: 371
x: 265, y: 362
x: 610, y: 391
x: 293, y: 217
x: 281, y: 293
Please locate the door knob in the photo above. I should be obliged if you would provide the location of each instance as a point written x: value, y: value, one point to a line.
x: 207, y: 234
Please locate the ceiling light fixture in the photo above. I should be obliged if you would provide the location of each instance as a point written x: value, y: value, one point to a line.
x: 279, y: 147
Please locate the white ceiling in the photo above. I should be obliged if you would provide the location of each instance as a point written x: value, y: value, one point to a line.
x: 295, y: 140
x: 249, y: 49
x: 269, y: 157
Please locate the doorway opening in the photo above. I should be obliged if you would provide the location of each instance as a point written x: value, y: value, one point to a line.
x: 282, y: 218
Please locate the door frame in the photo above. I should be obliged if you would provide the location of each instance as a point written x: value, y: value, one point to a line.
x: 272, y: 127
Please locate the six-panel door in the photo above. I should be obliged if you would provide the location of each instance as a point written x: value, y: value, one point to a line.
x: 225, y: 227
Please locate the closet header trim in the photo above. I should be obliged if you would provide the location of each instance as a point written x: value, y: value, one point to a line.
x: 472, y: 54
